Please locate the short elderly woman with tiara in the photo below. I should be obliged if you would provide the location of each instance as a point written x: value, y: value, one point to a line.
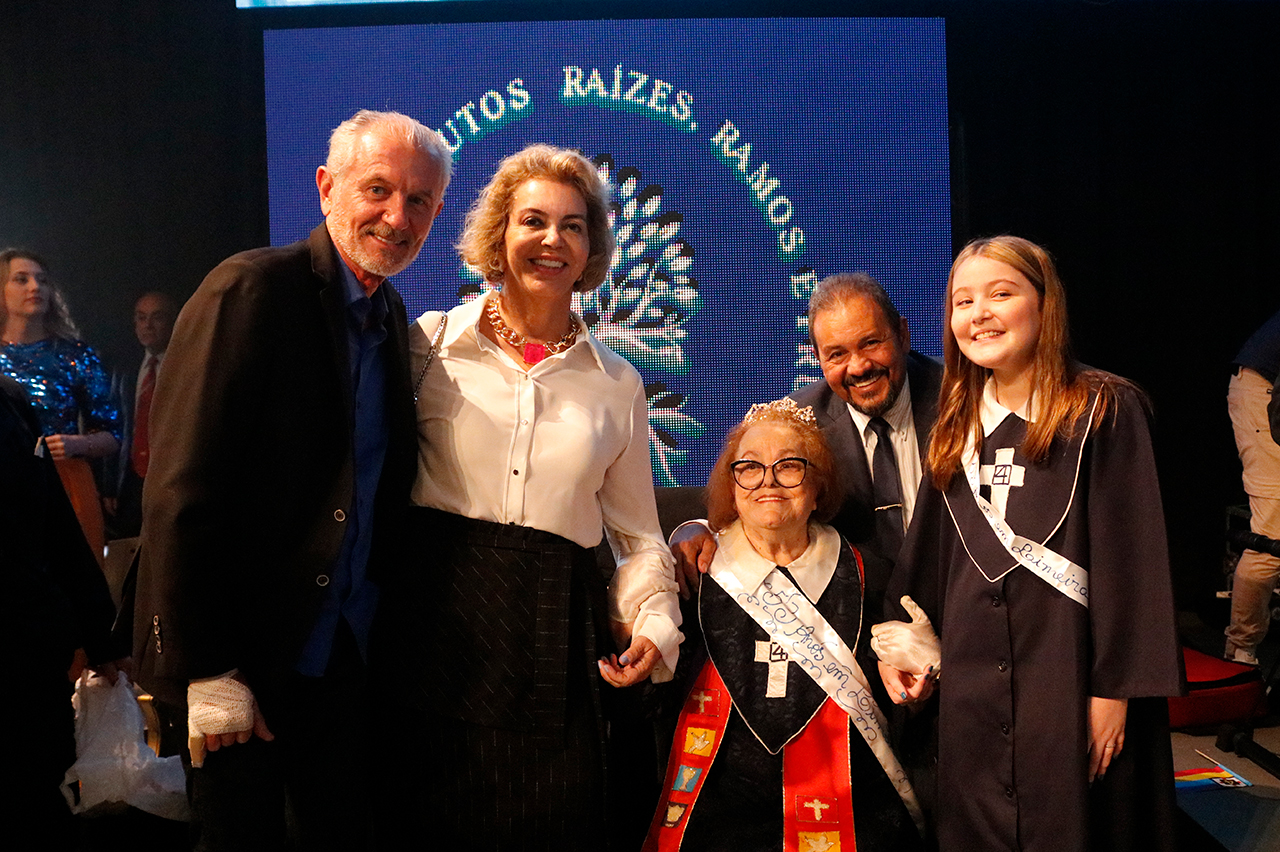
x: 780, y: 743
x: 533, y: 444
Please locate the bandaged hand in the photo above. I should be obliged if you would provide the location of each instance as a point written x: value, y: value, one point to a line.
x: 912, y: 648
x: 221, y: 711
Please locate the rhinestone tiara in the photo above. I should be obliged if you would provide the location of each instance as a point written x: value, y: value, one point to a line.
x: 784, y: 408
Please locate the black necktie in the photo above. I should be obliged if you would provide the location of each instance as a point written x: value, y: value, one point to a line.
x: 886, y: 490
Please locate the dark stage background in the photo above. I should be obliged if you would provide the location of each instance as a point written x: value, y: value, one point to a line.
x: 1134, y: 139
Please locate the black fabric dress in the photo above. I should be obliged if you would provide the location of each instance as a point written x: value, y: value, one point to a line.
x: 1020, y: 659
x: 740, y: 805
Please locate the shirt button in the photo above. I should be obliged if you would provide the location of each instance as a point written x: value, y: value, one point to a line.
x: 322, y: 580
x: 515, y: 473
x: 339, y: 515
x: 1004, y: 729
x: 1003, y: 666
x: 995, y: 600
x: 1008, y: 792
x: 524, y: 422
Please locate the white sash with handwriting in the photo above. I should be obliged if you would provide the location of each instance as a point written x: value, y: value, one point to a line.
x: 1054, y: 568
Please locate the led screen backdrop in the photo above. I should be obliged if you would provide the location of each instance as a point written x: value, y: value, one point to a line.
x: 749, y: 158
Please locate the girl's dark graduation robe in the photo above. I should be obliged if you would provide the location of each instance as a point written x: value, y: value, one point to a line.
x: 1020, y: 659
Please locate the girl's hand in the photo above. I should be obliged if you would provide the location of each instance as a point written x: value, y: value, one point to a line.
x: 1106, y: 733
x: 906, y: 688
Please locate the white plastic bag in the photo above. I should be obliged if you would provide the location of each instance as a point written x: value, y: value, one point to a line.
x: 113, y: 761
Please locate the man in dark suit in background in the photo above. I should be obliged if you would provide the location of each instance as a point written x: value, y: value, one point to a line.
x: 153, y: 316
x: 876, y: 406
x: 282, y: 451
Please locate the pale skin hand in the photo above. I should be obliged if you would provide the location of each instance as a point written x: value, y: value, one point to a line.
x: 906, y: 688
x: 199, y: 745
x: 91, y: 446
x: 1106, y: 733
x: 632, y: 666
x: 693, y: 546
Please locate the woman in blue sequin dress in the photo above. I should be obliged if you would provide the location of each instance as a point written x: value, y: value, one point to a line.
x: 69, y: 388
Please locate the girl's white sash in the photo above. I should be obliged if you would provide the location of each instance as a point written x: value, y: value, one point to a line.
x: 1054, y: 568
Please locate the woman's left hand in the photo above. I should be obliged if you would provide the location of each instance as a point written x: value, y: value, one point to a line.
x: 63, y: 446
x: 632, y: 665
x: 91, y: 445
x: 1106, y: 733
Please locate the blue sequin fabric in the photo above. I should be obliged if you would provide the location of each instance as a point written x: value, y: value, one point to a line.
x: 66, y: 382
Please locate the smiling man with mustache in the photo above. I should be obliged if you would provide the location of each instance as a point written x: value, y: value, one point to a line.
x: 875, y: 386
x: 874, y: 383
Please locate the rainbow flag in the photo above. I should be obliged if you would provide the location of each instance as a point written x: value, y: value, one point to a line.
x: 1220, y: 776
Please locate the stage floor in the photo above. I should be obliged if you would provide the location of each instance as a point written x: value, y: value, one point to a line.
x: 1240, y: 819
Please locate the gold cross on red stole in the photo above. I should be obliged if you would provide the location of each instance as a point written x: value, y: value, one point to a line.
x: 817, y: 806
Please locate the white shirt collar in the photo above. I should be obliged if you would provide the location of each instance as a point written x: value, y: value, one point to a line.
x: 812, y: 570
x: 898, y: 415
x: 993, y: 413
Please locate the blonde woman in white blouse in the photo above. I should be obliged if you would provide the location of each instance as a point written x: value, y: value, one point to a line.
x: 533, y: 444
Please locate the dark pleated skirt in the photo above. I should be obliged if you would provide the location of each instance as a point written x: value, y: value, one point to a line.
x: 491, y: 649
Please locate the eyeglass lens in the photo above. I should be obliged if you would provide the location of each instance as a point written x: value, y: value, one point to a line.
x: 788, y: 472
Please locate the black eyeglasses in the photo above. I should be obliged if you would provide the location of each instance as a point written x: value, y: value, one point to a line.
x: 787, y: 473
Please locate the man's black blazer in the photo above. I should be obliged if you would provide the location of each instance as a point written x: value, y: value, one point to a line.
x: 251, y: 471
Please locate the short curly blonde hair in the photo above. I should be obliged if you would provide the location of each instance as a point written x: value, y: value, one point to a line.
x: 483, y: 240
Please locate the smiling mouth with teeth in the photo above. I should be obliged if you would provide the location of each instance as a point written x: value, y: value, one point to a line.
x: 549, y: 264
x: 987, y: 335
x: 867, y: 380
x: 387, y: 236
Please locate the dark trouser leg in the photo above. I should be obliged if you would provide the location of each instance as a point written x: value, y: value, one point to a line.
x: 309, y: 788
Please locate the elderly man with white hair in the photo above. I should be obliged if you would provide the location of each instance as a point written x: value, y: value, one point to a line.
x: 282, y: 450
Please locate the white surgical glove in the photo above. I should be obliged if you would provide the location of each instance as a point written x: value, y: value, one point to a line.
x: 913, y: 648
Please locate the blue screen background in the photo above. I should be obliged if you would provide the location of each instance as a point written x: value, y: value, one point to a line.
x: 849, y: 114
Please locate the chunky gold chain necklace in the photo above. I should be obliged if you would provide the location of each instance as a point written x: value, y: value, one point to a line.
x: 534, y: 352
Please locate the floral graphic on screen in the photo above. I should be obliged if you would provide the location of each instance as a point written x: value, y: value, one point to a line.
x: 641, y: 309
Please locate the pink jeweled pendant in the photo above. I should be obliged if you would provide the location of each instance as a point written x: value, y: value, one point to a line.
x: 533, y: 353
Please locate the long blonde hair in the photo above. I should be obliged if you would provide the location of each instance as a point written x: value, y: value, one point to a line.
x: 57, y: 319
x: 1060, y: 387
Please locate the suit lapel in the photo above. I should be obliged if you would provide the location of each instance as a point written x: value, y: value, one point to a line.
x: 402, y: 433
x: 847, y: 446
x: 925, y: 376
x: 332, y: 296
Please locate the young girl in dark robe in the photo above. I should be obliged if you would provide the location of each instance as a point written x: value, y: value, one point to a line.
x: 1039, y: 555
